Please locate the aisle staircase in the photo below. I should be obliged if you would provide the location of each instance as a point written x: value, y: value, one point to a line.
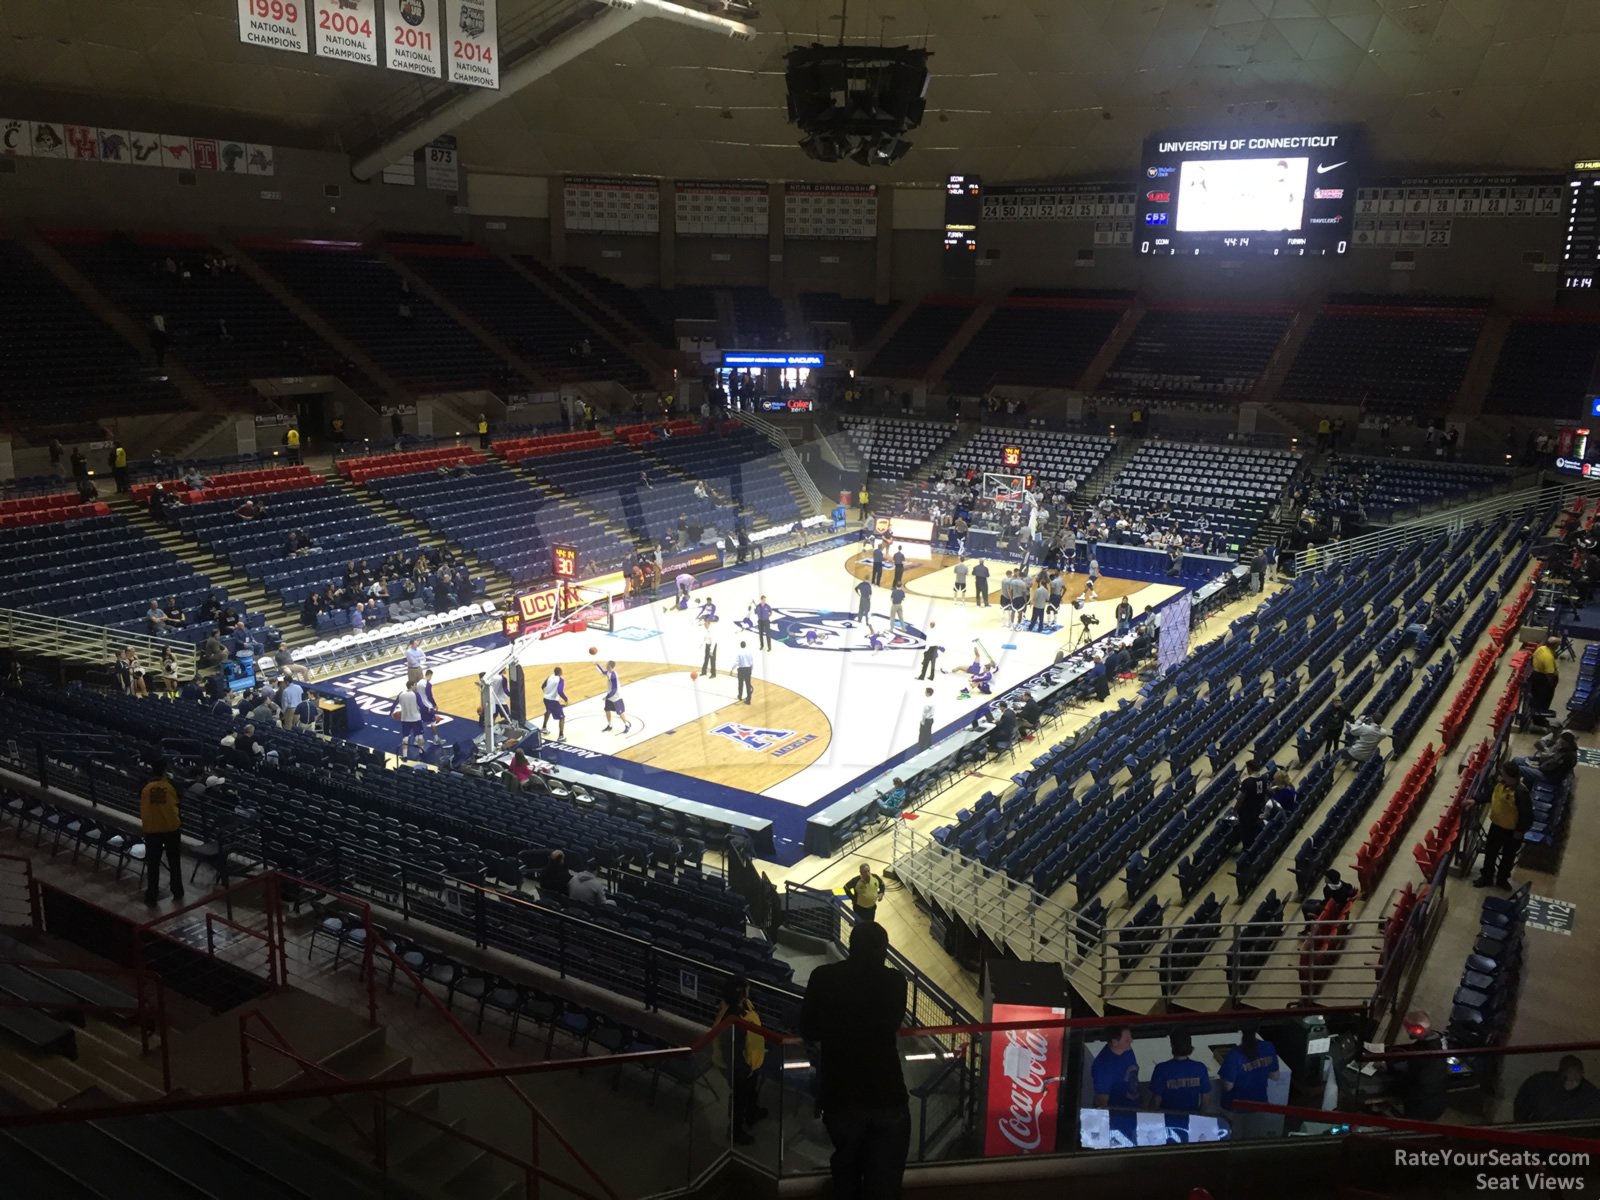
x: 242, y: 590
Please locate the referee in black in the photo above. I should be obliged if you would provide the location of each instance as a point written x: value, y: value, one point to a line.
x: 930, y: 659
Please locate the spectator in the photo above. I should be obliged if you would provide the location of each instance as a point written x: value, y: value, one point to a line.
x: 1552, y: 762
x: 250, y: 510
x: 56, y: 453
x: 155, y: 619
x: 159, y: 822
x: 1333, y: 725
x: 749, y: 1051
x: 588, y: 888
x: 519, y: 768
x: 174, y: 613
x: 1362, y: 736
x: 1334, y: 889
x: 246, y: 746
x: 80, y: 464
x: 1180, y: 1084
x: 1510, y: 818
x: 1251, y: 803
x: 554, y: 876
x: 213, y: 653
x: 1282, y: 797
x: 852, y: 1011
x: 1559, y: 1095
x: 119, y: 465
x: 483, y: 432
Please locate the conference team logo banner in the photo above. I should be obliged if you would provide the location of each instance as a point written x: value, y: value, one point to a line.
x: 133, y: 147
x: 473, y: 31
x: 347, y: 29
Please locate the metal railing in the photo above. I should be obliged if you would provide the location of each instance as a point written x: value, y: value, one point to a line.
x: 819, y: 502
x: 1288, y: 960
x: 75, y: 641
x: 1449, y: 520
x: 19, y: 900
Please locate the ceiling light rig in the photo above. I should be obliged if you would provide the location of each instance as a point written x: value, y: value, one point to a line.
x: 856, y: 104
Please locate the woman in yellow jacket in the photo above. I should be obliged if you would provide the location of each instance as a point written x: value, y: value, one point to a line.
x: 749, y: 1052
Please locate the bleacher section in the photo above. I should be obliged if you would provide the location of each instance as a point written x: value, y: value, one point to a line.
x: 894, y: 449
x: 59, y: 363
x: 1197, y: 353
x: 612, y: 477
x: 223, y: 325
x: 626, y: 302
x: 340, y: 526
x: 358, y: 294
x: 1124, y: 797
x: 1234, y: 487
x: 1388, y: 486
x: 514, y: 310
x: 1036, y: 341
x: 864, y: 317
x: 758, y: 319
x: 86, y: 564
x: 406, y: 838
x: 485, y: 508
x: 911, y: 349
x: 1546, y: 366
x: 1056, y: 458
x: 1392, y: 358
x: 735, y: 462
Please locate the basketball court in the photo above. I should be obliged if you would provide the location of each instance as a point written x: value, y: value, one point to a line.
x: 830, y: 711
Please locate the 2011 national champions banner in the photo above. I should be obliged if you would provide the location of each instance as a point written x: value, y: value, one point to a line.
x: 132, y: 147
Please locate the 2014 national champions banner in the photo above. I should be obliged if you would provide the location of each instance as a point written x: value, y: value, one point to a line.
x: 132, y: 147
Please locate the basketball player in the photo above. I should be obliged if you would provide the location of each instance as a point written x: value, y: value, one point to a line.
x: 408, y: 708
x: 430, y: 707
x: 555, y: 704
x: 685, y: 582
x: 961, y: 583
x: 613, y: 702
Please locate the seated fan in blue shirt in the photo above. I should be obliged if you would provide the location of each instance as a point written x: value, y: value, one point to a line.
x: 1180, y: 1084
x: 1116, y: 1072
x: 1247, y: 1070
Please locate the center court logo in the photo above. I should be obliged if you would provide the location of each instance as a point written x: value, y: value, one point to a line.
x: 752, y: 738
x: 822, y: 629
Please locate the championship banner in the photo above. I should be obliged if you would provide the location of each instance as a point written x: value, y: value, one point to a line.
x: 413, y: 36
x: 1173, y: 646
x: 712, y: 208
x: 837, y: 211
x: 1024, y: 1082
x: 441, y: 172
x: 276, y: 24
x: 473, y: 30
x: 347, y: 30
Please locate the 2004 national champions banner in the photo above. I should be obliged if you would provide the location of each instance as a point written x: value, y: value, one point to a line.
x: 133, y: 147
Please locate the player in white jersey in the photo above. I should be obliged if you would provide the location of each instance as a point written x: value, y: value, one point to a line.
x: 408, y: 707
x: 614, y: 696
x: 555, y: 701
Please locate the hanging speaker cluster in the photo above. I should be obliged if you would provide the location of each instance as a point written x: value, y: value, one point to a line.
x: 856, y: 103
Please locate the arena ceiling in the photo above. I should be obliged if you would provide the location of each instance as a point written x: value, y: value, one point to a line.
x: 1021, y: 89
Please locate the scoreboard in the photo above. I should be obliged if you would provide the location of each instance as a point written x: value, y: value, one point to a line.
x: 1580, y: 254
x: 963, y: 207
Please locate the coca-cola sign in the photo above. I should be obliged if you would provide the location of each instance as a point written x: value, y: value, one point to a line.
x: 1024, y: 1083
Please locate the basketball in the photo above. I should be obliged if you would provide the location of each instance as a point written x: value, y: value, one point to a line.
x: 694, y: 674
x: 593, y: 652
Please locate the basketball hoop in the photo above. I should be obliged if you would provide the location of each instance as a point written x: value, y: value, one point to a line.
x: 1005, y: 491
